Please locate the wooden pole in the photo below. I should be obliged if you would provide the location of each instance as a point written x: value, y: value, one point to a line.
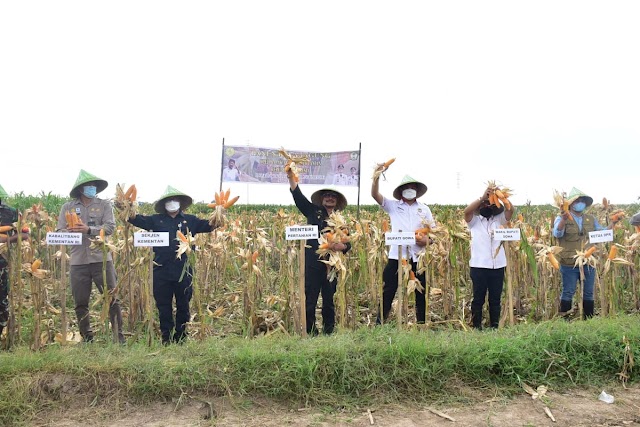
x: 510, y: 267
x: 401, y: 290
x: 149, y: 299
x: 63, y: 294
x: 303, y: 303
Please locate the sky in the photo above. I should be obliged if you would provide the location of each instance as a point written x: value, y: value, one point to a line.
x: 536, y: 96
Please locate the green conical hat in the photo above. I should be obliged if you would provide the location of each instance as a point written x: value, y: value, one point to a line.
x: 170, y: 193
x: 85, y: 177
x: 3, y: 193
x: 576, y: 194
x: 397, y: 193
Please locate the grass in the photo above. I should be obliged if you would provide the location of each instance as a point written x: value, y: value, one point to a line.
x: 368, y: 366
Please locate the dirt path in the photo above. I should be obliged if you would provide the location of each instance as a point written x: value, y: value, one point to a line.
x: 577, y: 408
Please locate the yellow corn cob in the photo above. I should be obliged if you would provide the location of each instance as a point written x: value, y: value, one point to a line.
x: 553, y: 260
x: 230, y: 203
x: 388, y: 162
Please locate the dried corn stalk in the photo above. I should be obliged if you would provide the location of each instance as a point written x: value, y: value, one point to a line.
x: 499, y: 196
x: 222, y: 202
x: 337, y: 231
x: 292, y: 163
x: 560, y: 199
x: 125, y: 202
x: 100, y: 242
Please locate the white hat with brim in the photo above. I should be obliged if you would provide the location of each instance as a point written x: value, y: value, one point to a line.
x: 85, y: 178
x: 172, y: 193
x: 576, y: 194
x: 422, y: 188
x: 316, y: 198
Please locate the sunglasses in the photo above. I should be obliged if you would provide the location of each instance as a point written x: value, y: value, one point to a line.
x: 331, y: 195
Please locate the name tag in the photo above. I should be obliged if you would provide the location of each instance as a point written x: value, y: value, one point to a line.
x: 67, y: 239
x: 601, y: 236
x: 301, y: 232
x: 151, y: 239
x: 506, y: 234
x: 400, y: 238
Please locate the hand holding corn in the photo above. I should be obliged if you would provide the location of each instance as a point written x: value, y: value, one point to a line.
x: 381, y: 167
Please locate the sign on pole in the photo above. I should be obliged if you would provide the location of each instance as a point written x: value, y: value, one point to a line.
x: 601, y: 236
x: 301, y: 232
x: 400, y: 238
x: 506, y: 234
x: 151, y: 238
x: 55, y: 238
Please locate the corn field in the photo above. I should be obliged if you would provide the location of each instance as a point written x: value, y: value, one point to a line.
x: 247, y: 275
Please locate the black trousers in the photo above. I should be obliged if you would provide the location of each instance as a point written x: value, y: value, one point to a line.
x: 486, y: 280
x: 390, y: 287
x: 316, y: 283
x: 164, y: 292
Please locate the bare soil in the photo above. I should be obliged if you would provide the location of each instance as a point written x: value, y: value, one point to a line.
x: 574, y: 408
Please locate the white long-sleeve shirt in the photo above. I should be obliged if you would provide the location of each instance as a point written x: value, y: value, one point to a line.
x: 406, y: 217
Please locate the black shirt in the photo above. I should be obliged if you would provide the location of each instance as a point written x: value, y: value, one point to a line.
x: 169, y: 266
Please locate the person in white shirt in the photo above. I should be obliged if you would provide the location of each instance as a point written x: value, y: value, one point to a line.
x: 340, y: 178
x: 486, y: 266
x: 353, y: 178
x: 231, y: 173
x: 406, y: 214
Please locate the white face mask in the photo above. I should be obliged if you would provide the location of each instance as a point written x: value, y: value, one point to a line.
x: 409, y: 194
x: 172, y: 206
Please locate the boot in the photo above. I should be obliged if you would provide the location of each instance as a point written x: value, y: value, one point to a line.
x: 587, y: 309
x: 476, y: 318
x: 166, y: 338
x: 494, y: 316
x: 179, y: 337
x: 565, y: 306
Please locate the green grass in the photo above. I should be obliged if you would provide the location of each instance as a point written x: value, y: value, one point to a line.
x: 369, y: 366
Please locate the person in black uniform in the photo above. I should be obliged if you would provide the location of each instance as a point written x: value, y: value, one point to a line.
x: 169, y: 282
x: 323, y: 203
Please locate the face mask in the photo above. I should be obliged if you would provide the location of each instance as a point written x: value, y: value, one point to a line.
x: 89, y: 191
x: 486, y: 212
x: 172, y: 206
x: 409, y: 194
x: 579, y: 207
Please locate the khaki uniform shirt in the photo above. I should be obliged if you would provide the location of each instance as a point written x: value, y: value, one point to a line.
x: 98, y: 215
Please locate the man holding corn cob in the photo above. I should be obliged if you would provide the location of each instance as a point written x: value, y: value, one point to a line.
x: 8, y: 216
x: 172, y: 274
x: 488, y: 259
x: 90, y: 216
x: 323, y: 203
x: 572, y: 228
x: 406, y: 214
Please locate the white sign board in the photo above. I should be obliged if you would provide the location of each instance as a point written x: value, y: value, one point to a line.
x: 506, y: 234
x: 151, y: 238
x: 400, y: 238
x: 302, y: 232
x: 601, y: 236
x: 64, y: 238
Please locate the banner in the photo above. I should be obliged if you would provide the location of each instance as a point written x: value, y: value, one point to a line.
x: 266, y: 166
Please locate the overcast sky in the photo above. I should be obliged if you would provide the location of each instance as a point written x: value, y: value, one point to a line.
x: 535, y: 95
